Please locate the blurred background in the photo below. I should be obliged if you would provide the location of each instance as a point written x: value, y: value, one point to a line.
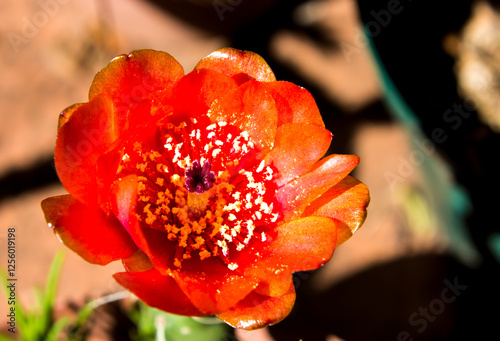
x: 412, y: 87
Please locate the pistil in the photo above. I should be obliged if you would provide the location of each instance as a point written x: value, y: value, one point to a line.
x: 199, y: 179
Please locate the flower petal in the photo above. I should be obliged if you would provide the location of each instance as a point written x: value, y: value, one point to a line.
x: 86, y: 135
x: 304, y: 244
x: 240, y: 65
x: 153, y: 243
x: 89, y: 232
x: 125, y: 194
x: 252, y: 109
x: 346, y: 202
x: 297, y: 148
x: 138, y: 262
x: 296, y: 195
x: 275, y: 279
x: 106, y: 169
x: 195, y: 92
x: 140, y: 86
x: 257, y: 311
x: 141, y: 75
x: 157, y: 291
x: 300, y: 245
x: 297, y: 105
x: 211, y: 286
x: 66, y: 114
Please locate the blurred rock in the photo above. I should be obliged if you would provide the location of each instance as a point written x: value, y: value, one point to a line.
x: 340, y: 64
x: 478, y: 57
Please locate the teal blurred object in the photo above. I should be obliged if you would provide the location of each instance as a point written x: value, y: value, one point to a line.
x: 448, y: 201
x: 494, y: 245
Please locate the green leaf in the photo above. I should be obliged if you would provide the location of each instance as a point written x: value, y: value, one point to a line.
x: 51, y: 284
x: 57, y: 328
x: 21, y: 319
x: 6, y: 338
x: 36, y: 324
x: 39, y: 321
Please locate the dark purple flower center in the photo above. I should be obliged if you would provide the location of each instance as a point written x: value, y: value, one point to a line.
x: 199, y: 179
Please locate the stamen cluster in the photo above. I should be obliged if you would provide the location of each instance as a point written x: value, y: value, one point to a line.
x: 204, y: 188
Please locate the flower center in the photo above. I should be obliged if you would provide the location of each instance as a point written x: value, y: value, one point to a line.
x: 198, y: 179
x: 202, y: 186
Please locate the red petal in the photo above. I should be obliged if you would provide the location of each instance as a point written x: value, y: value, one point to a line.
x: 250, y: 108
x: 153, y: 243
x: 211, y: 286
x: 304, y: 244
x: 297, y: 148
x: 300, y: 105
x: 106, y: 174
x: 157, y: 291
x: 296, y: 195
x: 346, y: 203
x: 195, y: 92
x: 86, y: 135
x: 257, y: 311
x: 240, y: 65
x: 125, y: 200
x: 89, y: 232
x: 141, y: 75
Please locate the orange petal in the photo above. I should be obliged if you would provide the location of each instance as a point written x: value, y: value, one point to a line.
x: 87, y: 134
x: 252, y: 109
x: 298, y: 105
x: 195, y: 92
x: 157, y: 291
x: 304, y: 244
x: 275, y: 279
x: 89, y: 232
x: 240, y: 65
x: 300, y: 245
x: 297, y: 148
x: 257, y: 311
x: 141, y: 75
x: 211, y: 286
x: 66, y: 114
x: 296, y: 195
x: 346, y: 202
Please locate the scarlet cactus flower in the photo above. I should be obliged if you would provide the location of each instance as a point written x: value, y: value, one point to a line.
x: 210, y: 187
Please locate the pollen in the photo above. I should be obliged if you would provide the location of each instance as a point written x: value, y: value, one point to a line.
x: 203, y: 188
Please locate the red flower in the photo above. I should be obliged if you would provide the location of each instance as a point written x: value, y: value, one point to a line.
x: 208, y: 186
